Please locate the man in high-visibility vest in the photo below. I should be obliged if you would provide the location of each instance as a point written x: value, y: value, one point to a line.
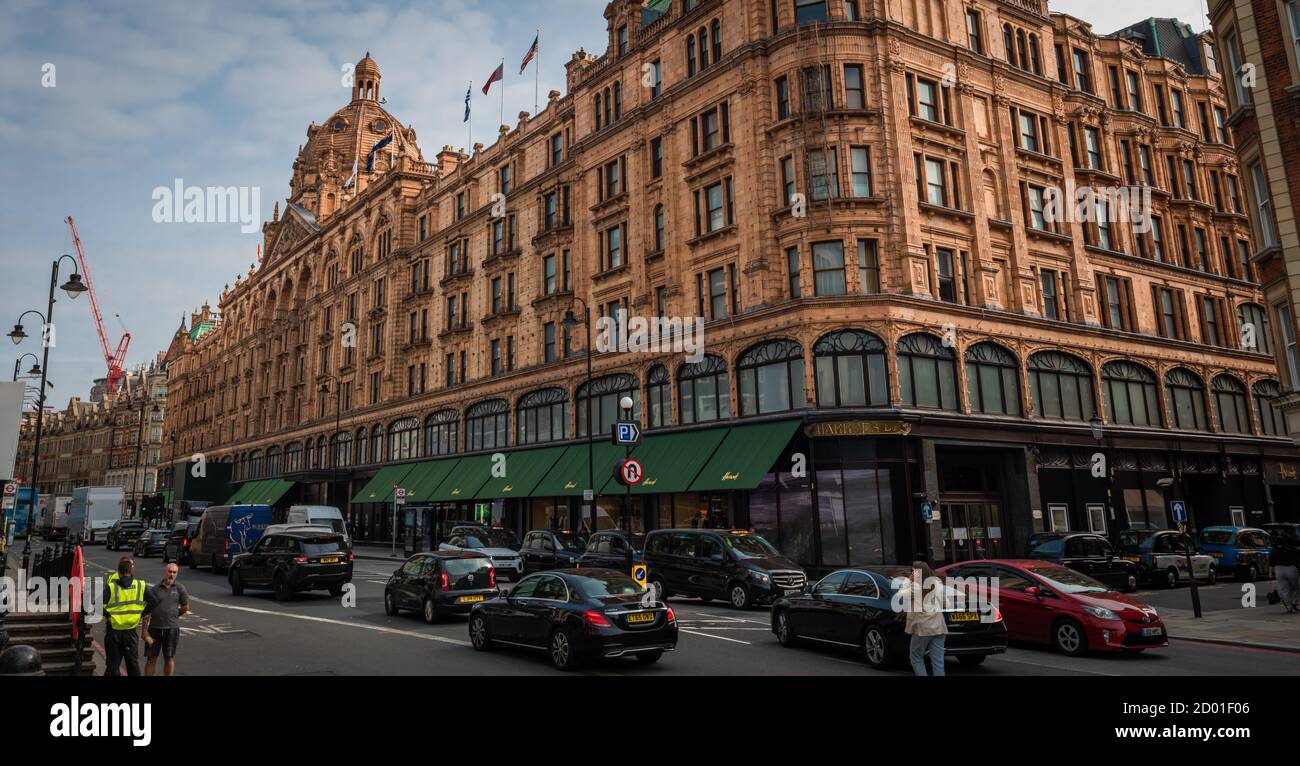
x: 123, y: 609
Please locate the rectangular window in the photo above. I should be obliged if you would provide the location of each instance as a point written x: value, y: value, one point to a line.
x: 1202, y: 250
x: 1036, y: 201
x: 717, y: 294
x: 792, y: 266
x: 1144, y: 161
x: 828, y: 269
x: 1092, y: 139
x: 1180, y: 115
x: 1116, y: 92
x: 855, y: 94
x: 936, y: 188
x: 860, y: 159
x: 1051, y: 299
x: 945, y: 267
x: 1263, y: 206
x: 1286, y: 328
x: 549, y: 284
x: 787, y: 180
x: 1134, y: 90
x: 1210, y: 322
x: 782, y: 98
x: 1082, y: 71
x: 715, y: 212
x: 548, y: 342
x: 927, y: 100
x: 1189, y: 178
x: 974, y: 31
x: 1168, y: 313
x: 1162, y: 109
x: 823, y: 166
x: 868, y: 266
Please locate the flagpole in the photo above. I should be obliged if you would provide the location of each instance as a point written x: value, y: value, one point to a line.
x: 469, y: 147
x: 537, y: 77
x: 503, y: 91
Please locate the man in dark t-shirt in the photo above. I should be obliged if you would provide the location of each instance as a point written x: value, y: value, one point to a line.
x: 164, y: 605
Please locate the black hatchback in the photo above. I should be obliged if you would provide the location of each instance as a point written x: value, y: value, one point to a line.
x: 576, y: 616
x: 1088, y: 554
x: 153, y: 541
x: 438, y: 583
x: 292, y: 562
x: 854, y: 608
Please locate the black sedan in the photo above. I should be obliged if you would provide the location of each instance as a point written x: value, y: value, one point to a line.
x: 177, y: 546
x: 577, y: 616
x: 152, y: 542
x: 1088, y: 554
x: 854, y: 608
x: 441, y: 583
x: 291, y: 562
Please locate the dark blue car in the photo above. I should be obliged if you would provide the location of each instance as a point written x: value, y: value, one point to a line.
x: 1244, y: 551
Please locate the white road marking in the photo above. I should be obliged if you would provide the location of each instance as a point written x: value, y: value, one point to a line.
x: 376, y: 628
x: 720, y: 638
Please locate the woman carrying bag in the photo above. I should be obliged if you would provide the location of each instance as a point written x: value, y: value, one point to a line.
x: 925, y: 622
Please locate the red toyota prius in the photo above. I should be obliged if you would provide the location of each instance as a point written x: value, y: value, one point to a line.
x: 1043, y: 602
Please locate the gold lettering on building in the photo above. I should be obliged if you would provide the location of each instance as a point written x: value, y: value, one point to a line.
x: 729, y: 476
x: 857, y: 428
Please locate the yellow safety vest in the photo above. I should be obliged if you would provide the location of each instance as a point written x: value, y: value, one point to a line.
x: 125, y: 606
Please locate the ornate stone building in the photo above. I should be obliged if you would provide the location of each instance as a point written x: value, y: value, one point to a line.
x: 856, y: 199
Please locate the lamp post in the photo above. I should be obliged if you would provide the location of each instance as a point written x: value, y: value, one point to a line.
x: 569, y: 321
x: 338, y: 424
x: 139, y: 445
x: 1098, y: 433
x: 626, y: 405
x: 35, y: 371
x: 73, y: 287
x: 1165, y: 486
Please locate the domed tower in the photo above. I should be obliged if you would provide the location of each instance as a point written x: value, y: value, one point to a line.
x: 365, y: 80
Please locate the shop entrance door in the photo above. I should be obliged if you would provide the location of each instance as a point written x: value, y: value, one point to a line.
x: 972, y: 530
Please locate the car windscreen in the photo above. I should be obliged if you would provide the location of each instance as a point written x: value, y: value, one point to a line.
x: 1132, y: 539
x: 609, y: 585
x: 1068, y: 580
x: 500, y: 539
x: 1217, y: 537
x: 319, y: 547
x: 750, y: 546
x: 461, y: 567
x: 1047, y: 546
x: 335, y: 524
x: 158, y: 534
x: 571, y: 542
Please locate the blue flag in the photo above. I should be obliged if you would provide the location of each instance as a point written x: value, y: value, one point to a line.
x: 468, y: 93
x: 385, y: 141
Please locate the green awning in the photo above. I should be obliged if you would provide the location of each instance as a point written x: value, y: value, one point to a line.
x: 380, y: 488
x: 568, y: 477
x: 266, y: 492
x: 524, y: 470
x: 425, y: 477
x: 243, y: 490
x: 745, y: 456
x: 464, y: 481
x: 670, y: 461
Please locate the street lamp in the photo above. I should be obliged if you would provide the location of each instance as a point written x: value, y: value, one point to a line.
x: 35, y: 371
x: 569, y: 321
x: 625, y: 404
x: 338, y: 420
x: 1095, y: 425
x: 73, y: 287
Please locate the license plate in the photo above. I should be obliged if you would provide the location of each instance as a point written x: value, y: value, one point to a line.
x: 331, y: 560
x: 641, y: 617
x: 1134, y: 559
x: 1216, y: 554
x: 1148, y: 632
x: 965, y: 617
x: 469, y: 599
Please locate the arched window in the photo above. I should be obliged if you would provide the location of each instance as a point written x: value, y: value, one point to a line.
x: 442, y: 433
x: 255, y: 465
x: 1230, y: 402
x: 342, y: 449
x: 377, y: 444
x: 1186, y: 399
x: 487, y: 425
x: 1271, y: 420
x: 543, y: 416
x: 1061, y: 386
x: 309, y: 458
x: 690, y: 55
x: 1132, y: 397
x: 404, y: 439
x: 992, y: 380
x: 770, y: 378
x: 1255, y: 333
x: 321, y: 454
x: 851, y: 370
x: 703, y: 390
x: 273, y: 465
x: 716, y: 31
x: 605, y: 395
x: 360, y: 446
x: 293, y: 458
x: 927, y: 372
x: 660, y: 396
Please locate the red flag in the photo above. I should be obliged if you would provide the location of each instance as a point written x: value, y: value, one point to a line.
x: 497, y: 76
x: 78, y: 576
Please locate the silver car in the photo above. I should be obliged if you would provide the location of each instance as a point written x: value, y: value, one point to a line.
x: 506, y: 561
x: 1161, y: 556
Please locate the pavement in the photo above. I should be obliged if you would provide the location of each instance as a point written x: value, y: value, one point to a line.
x: 1232, y: 613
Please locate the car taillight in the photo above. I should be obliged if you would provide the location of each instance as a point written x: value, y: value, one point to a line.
x: 300, y: 560
x: 997, y: 614
x: 596, y: 618
x: 186, y: 542
x: 349, y: 555
x: 225, y: 546
x: 443, y: 582
x: 492, y: 578
x: 672, y: 616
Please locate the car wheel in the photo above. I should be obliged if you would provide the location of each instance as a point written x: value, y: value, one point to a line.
x: 193, y: 564
x: 971, y: 660
x: 478, y: 633
x: 875, y: 648
x: 1171, y: 578
x: 739, y: 595
x: 1212, y: 576
x: 390, y: 604
x: 1132, y: 585
x: 649, y: 658
x: 282, y: 590
x: 236, y: 583
x: 784, y: 630
x: 660, y: 590
x: 431, y: 615
x: 1068, y: 638
x: 563, y: 653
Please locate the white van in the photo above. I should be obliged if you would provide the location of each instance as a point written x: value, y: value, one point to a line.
x: 319, y: 515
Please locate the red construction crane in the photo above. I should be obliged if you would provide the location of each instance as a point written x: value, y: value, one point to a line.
x: 116, y: 359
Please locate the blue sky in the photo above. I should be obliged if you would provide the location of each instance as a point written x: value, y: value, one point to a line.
x: 220, y: 93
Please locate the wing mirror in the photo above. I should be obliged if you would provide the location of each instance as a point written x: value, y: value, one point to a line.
x: 1034, y: 591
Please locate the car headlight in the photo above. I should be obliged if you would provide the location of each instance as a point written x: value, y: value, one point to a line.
x: 1100, y: 613
x: 759, y: 577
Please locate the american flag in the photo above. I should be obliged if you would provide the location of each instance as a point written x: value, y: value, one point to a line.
x: 532, y: 53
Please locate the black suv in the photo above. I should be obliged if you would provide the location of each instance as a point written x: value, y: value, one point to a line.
x: 613, y: 549
x: 736, y: 565
x: 123, y: 534
x: 1088, y: 554
x: 546, y: 549
x: 177, y: 547
x: 291, y: 562
x: 441, y: 583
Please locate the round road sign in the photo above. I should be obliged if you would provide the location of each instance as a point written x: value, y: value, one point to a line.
x: 632, y: 472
